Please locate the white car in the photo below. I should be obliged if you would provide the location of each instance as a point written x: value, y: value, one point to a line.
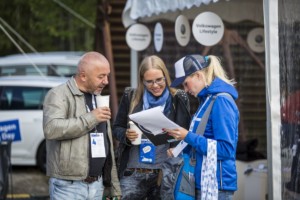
x: 47, y: 64
x: 21, y: 115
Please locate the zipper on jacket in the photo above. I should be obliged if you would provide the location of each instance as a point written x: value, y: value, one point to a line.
x: 221, y: 181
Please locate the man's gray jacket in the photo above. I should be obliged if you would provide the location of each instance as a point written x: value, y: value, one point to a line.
x: 66, y: 124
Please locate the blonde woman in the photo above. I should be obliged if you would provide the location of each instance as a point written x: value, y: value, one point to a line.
x: 139, y: 178
x: 215, y: 171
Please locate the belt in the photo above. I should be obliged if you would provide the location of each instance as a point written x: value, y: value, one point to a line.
x: 91, y: 179
x: 144, y: 170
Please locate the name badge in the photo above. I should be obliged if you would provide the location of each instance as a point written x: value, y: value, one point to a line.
x: 147, y: 152
x: 97, y: 145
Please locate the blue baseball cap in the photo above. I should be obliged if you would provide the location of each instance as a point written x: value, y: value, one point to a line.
x: 188, y: 65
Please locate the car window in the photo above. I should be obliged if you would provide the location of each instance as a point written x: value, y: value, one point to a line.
x: 62, y: 70
x: 22, y: 98
x: 22, y: 70
x: 48, y: 70
x: 30, y: 70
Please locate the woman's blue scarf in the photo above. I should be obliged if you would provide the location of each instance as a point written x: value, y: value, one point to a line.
x: 151, y: 101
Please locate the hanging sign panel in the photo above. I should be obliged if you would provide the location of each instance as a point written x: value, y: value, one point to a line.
x: 182, y: 30
x: 10, y: 130
x: 158, y: 37
x: 256, y: 40
x: 138, y: 37
x: 208, y: 28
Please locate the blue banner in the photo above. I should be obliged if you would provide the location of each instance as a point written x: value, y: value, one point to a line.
x: 10, y: 130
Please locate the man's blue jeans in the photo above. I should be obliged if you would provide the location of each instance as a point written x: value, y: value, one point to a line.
x: 222, y: 195
x: 76, y: 190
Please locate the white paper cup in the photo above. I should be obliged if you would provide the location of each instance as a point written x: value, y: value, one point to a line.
x: 137, y: 141
x: 102, y: 101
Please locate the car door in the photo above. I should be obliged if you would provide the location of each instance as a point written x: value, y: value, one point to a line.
x: 21, y: 106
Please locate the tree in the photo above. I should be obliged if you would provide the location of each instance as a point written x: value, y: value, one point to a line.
x: 47, y: 26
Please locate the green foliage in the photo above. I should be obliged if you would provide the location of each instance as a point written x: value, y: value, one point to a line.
x: 47, y: 26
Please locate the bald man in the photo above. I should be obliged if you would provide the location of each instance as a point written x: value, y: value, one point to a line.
x: 80, y: 159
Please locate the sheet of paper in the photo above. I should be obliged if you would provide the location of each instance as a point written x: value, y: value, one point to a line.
x: 178, y: 149
x: 153, y: 120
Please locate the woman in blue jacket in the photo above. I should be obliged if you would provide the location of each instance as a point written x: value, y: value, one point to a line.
x: 215, y: 172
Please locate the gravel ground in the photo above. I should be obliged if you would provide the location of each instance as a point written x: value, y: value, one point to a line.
x: 27, y: 183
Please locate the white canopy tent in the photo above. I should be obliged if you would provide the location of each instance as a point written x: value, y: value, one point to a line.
x: 155, y: 10
x: 152, y: 10
x: 273, y: 98
x: 136, y: 9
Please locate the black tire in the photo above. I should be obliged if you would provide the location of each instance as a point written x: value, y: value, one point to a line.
x: 41, y: 157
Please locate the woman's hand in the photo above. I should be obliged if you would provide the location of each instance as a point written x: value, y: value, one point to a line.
x: 170, y: 153
x: 131, y: 135
x: 177, y: 133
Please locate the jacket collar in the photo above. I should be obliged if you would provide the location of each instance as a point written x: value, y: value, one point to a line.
x: 73, y: 87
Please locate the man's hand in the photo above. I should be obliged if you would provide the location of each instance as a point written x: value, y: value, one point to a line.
x: 102, y: 114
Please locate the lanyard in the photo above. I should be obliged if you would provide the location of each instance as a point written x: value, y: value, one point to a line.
x: 198, y: 112
x: 200, y: 109
x: 94, y: 104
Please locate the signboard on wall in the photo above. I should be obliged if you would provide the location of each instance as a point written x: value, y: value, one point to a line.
x: 158, y: 37
x: 182, y: 30
x: 10, y: 130
x: 256, y: 40
x: 208, y: 28
x: 138, y: 37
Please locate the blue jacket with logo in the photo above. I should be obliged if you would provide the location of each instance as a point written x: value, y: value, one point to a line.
x: 222, y: 126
